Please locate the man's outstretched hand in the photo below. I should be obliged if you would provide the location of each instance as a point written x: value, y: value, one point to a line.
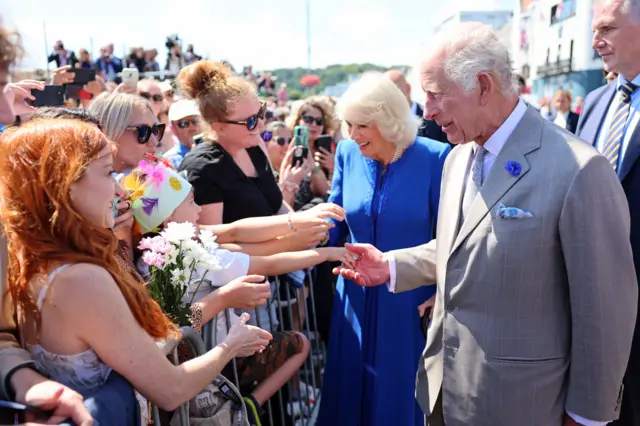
x: 371, y: 266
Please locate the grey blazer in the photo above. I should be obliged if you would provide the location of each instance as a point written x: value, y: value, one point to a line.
x: 533, y: 317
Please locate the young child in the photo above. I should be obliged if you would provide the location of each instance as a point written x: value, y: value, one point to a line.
x: 158, y: 196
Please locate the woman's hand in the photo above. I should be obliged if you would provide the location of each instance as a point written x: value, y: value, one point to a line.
x: 245, y: 340
x: 123, y: 223
x: 339, y: 254
x: 308, y: 238
x: 291, y: 174
x: 422, y: 309
x: 18, y: 93
x: 245, y: 292
x: 325, y: 159
x: 317, y: 216
x: 62, y: 76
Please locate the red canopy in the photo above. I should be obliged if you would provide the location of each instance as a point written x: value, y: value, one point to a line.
x: 310, y: 80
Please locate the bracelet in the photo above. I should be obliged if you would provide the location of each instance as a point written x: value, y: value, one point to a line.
x: 196, y: 317
x: 290, y: 222
x: 289, y: 187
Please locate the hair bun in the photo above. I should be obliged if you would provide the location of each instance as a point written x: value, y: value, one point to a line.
x: 200, y: 77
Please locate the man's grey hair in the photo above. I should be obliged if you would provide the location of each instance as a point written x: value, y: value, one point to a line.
x: 471, y: 48
x: 631, y: 7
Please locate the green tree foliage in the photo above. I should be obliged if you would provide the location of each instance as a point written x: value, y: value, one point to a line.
x: 329, y: 76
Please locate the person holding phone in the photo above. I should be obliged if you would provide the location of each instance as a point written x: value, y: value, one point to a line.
x: 388, y: 181
x: 316, y: 113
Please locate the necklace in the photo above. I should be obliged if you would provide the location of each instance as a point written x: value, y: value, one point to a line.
x: 397, y: 155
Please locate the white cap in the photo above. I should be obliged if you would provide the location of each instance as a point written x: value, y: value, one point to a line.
x: 183, y: 108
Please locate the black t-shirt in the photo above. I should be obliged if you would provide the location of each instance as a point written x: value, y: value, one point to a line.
x: 217, y: 179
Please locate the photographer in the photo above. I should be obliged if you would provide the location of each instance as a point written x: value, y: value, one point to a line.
x: 61, y: 56
x: 175, y: 59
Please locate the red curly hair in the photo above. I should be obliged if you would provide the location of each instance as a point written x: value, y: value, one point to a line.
x: 39, y: 161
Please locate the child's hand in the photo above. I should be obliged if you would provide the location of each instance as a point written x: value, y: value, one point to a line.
x: 340, y: 254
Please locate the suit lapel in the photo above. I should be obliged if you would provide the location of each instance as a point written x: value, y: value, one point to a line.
x: 631, y: 153
x: 450, y: 205
x: 599, y: 113
x: 524, y: 139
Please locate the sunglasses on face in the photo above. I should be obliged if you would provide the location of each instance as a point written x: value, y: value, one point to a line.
x: 280, y: 140
x: 183, y: 124
x: 307, y: 119
x: 155, y: 98
x: 145, y: 132
x: 251, y: 122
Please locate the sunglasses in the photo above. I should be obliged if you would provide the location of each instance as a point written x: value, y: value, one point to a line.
x: 145, y: 132
x: 155, y: 98
x: 251, y: 122
x: 280, y: 140
x: 309, y: 119
x: 183, y: 124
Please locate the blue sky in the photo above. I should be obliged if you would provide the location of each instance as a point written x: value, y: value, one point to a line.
x: 268, y: 34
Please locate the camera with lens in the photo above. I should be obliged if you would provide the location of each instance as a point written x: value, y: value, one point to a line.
x: 171, y: 41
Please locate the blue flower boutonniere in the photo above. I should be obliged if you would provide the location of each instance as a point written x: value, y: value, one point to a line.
x: 513, y: 168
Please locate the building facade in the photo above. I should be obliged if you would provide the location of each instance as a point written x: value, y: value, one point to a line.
x: 551, y: 45
x: 497, y: 19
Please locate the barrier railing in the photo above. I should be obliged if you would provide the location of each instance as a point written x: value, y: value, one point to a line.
x: 290, y: 308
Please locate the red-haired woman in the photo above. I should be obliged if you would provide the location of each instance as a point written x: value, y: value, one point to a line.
x: 83, y: 316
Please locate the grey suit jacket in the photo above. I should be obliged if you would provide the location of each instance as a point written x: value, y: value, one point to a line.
x: 533, y: 317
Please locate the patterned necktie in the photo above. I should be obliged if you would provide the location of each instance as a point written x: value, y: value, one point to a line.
x: 472, y: 188
x: 616, y: 131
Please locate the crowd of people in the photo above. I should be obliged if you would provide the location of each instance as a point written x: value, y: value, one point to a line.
x: 509, y: 263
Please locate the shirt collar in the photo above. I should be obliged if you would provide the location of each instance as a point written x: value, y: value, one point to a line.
x: 495, y: 143
x: 622, y: 80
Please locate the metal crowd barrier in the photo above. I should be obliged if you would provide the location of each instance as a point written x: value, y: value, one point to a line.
x: 302, y: 411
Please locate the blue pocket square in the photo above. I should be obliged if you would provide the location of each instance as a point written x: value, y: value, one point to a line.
x: 505, y: 212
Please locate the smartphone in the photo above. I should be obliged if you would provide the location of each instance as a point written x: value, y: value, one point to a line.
x: 50, y: 96
x: 83, y: 76
x: 75, y: 91
x: 325, y: 142
x: 14, y: 413
x: 301, y: 150
x: 130, y: 77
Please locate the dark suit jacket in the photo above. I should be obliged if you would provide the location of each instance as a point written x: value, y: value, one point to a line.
x: 572, y: 122
x: 71, y: 59
x: 592, y: 116
x: 429, y: 128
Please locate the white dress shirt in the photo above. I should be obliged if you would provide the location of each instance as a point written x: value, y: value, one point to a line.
x: 561, y: 119
x: 494, y: 145
x: 632, y: 121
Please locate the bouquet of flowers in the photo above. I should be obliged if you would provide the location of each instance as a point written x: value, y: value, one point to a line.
x: 176, y: 259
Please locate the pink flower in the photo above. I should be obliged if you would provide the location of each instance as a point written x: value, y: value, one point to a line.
x: 160, y: 245
x: 152, y: 258
x: 145, y: 244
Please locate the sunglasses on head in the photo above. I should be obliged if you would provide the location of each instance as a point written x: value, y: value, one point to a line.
x: 145, y: 131
x: 309, y: 119
x: 251, y: 122
x: 280, y: 140
x: 155, y: 98
x: 184, y: 123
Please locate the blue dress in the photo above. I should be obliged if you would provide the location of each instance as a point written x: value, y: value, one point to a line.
x: 376, y: 340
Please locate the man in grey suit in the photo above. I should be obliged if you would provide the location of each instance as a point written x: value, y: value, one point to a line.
x: 536, y: 301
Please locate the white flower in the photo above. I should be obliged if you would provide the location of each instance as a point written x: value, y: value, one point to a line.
x: 172, y: 256
x: 179, y: 277
x: 209, y: 262
x: 177, y: 233
x: 208, y: 240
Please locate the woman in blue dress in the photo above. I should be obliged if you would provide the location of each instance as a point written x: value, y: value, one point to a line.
x: 388, y: 181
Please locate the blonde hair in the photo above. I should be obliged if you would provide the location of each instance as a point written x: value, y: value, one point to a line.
x: 214, y: 88
x: 563, y: 92
x: 321, y: 103
x: 114, y: 110
x: 374, y: 99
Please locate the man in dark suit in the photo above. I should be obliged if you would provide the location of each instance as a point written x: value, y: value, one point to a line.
x: 564, y: 116
x: 428, y: 128
x: 62, y: 56
x: 610, y: 120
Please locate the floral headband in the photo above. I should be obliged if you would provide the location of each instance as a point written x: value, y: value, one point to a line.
x: 155, y: 192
